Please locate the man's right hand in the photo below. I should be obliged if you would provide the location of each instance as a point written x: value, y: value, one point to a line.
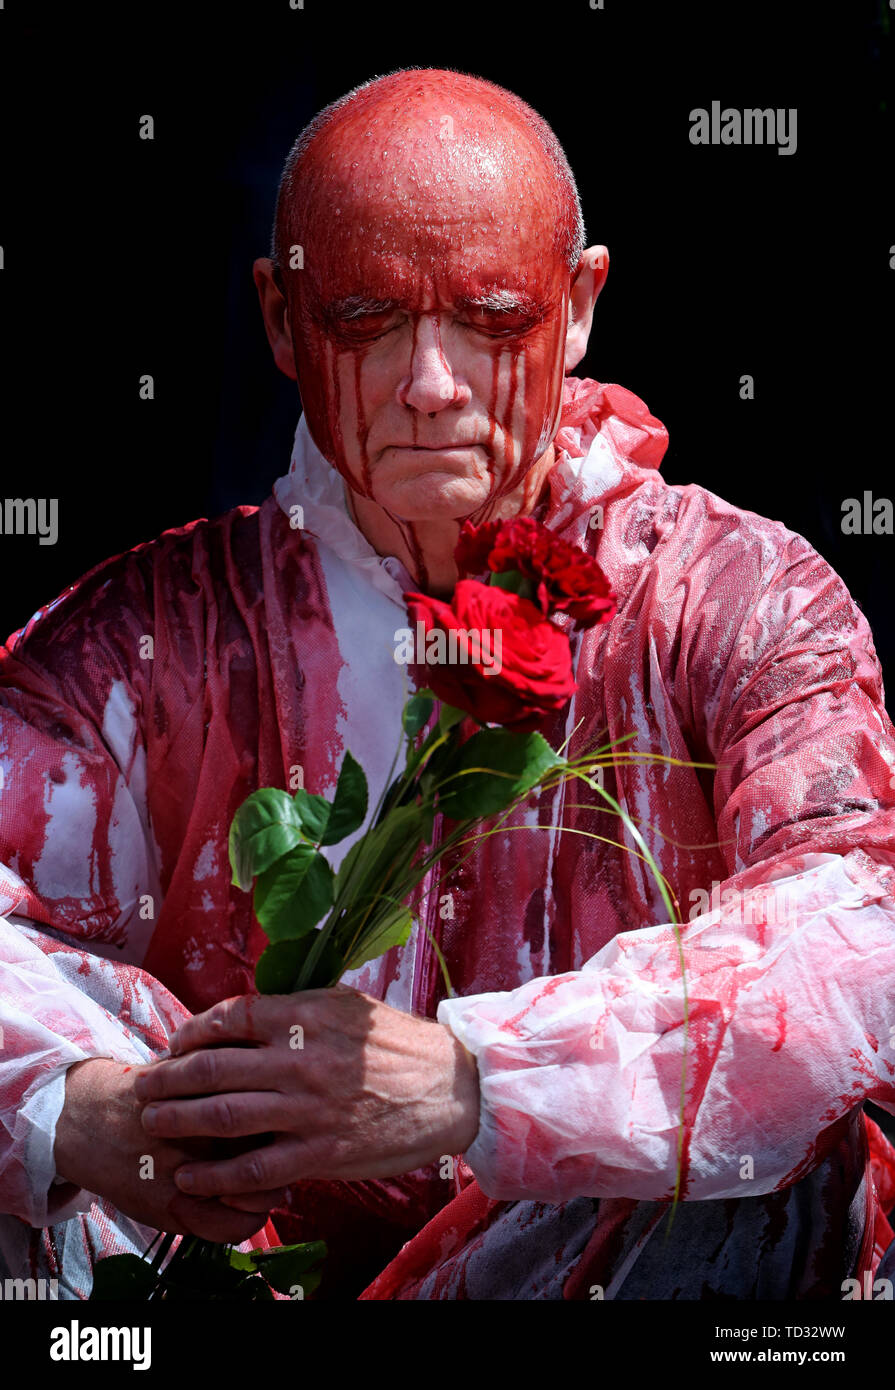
x: 102, y: 1147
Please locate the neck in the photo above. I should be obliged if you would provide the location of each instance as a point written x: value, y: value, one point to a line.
x: 426, y: 548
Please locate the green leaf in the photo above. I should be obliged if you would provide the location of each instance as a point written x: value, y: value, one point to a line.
x: 349, y: 804
x: 388, y: 929
x: 280, y: 964
x: 122, y: 1276
x: 243, y: 1260
x: 265, y: 827
x: 310, y: 1282
x: 450, y: 716
x: 513, y: 763
x: 314, y: 812
x: 288, y: 1265
x: 293, y: 894
x: 327, y: 969
x: 417, y: 712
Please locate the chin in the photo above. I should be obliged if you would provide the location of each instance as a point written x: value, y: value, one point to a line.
x: 441, y: 498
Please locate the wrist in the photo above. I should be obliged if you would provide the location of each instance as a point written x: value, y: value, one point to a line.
x: 466, y: 1095
x: 78, y: 1117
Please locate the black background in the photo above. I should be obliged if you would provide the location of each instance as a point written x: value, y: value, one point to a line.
x: 125, y: 256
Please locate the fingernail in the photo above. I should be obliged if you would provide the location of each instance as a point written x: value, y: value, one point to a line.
x: 149, y: 1116
x: 184, y: 1179
x: 141, y: 1086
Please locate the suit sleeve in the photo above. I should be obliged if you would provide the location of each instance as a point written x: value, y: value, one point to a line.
x: 79, y: 887
x: 617, y: 1079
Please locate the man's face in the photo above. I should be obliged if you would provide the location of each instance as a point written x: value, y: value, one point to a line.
x: 429, y: 320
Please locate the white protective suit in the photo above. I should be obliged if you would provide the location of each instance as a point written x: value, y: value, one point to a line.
x: 123, y: 761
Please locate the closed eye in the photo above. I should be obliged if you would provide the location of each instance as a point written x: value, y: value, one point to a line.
x: 501, y: 323
x: 364, y: 328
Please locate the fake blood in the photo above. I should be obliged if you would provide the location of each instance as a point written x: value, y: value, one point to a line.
x: 428, y: 194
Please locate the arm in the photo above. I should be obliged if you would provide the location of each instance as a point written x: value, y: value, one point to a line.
x: 790, y: 982
x: 74, y: 859
x: 79, y: 885
x: 74, y: 1028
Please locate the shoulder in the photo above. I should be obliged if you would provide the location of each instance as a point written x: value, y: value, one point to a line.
x: 684, y: 538
x: 127, y: 587
x: 719, y: 586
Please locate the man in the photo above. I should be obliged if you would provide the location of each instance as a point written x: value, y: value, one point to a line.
x: 429, y: 291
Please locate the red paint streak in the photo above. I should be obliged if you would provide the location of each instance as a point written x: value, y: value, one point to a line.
x: 377, y: 197
x: 704, y: 1039
x: 335, y: 412
x: 417, y: 561
x: 779, y: 1002
x: 366, y: 482
x: 414, y: 414
x: 551, y: 986
x: 817, y: 1152
x: 602, y: 1250
x: 511, y: 401
x: 761, y: 930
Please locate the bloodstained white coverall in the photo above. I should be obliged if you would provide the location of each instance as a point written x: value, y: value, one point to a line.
x: 140, y: 708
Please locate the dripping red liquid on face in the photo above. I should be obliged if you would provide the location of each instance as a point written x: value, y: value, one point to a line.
x: 366, y: 482
x: 429, y: 316
x: 414, y: 418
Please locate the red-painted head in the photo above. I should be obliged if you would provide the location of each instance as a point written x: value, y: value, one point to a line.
x: 428, y: 238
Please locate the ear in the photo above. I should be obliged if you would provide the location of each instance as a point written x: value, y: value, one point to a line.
x: 275, y: 312
x: 588, y: 280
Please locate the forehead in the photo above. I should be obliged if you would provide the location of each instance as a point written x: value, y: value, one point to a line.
x: 423, y: 265
x: 468, y: 203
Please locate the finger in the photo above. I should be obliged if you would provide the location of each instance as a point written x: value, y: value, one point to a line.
x: 211, y: 1220
x: 227, y: 1116
x: 257, y: 1201
x: 258, y: 1170
x: 240, y: 1019
x: 205, y: 1072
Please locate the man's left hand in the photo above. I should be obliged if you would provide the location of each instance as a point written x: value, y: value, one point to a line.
x: 347, y: 1087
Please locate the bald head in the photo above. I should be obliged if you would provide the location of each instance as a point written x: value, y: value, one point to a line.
x: 432, y: 146
x: 429, y: 290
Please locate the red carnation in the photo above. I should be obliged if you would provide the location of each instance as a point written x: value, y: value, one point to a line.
x: 566, y: 578
x: 529, y: 657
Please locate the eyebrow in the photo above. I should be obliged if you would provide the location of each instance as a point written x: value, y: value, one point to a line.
x: 356, y: 306
x: 501, y: 302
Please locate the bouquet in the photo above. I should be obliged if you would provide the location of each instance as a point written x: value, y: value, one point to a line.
x: 495, y: 667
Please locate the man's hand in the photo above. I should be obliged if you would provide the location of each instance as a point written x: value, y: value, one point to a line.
x: 350, y: 1087
x: 102, y: 1147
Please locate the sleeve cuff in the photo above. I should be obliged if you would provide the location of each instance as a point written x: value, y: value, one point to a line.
x: 482, y: 1152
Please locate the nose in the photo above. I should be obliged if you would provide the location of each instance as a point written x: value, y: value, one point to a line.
x: 431, y: 384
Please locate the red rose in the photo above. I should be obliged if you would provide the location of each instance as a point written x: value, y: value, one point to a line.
x: 529, y: 658
x: 567, y: 580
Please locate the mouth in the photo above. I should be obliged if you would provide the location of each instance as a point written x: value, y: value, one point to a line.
x: 435, y: 448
